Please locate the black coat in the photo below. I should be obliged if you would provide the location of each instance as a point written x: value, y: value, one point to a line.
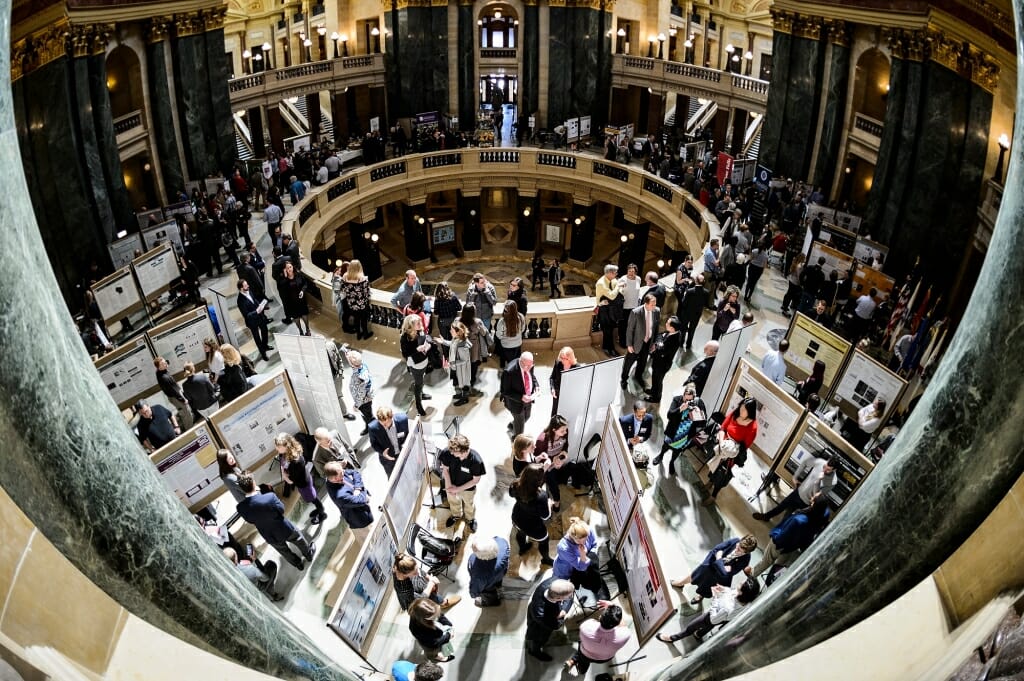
x: 699, y: 374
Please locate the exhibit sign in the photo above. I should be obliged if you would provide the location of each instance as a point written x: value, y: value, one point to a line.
x: 863, y: 380
x: 155, y: 270
x: 815, y: 439
x: 809, y: 341
x: 616, y: 476
x: 180, y: 340
x: 312, y: 381
x: 356, y: 613
x: 402, y: 501
x: 835, y: 260
x: 164, y: 233
x: 443, y: 232
x: 128, y: 372
x: 649, y: 596
x: 117, y: 295
x: 778, y: 413
x: 731, y: 347
x: 188, y: 465
x: 248, y: 424
x: 586, y: 391
x: 123, y: 250
x: 869, y: 252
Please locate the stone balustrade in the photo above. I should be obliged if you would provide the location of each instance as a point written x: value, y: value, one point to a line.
x: 728, y: 89
x: 334, y: 75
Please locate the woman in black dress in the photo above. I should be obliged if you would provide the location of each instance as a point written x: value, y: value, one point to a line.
x: 532, y: 511
x: 566, y: 360
x: 293, y: 296
x: 232, y: 382
x: 436, y: 641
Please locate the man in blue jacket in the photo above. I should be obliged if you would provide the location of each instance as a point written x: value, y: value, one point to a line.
x: 487, y: 567
x: 792, y: 535
x: 345, y: 488
x: 387, y: 436
x: 266, y: 512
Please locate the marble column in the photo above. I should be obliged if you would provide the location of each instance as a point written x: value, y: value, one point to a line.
x: 530, y: 30
x: 417, y: 240
x: 339, y: 113
x: 161, y: 112
x: 771, y: 129
x: 98, y: 500
x: 194, y: 113
x: 422, y: 60
x: 469, y: 212
x: 313, y: 116
x: 832, y: 119
x: 800, y: 113
x: 220, y: 127
x: 941, y: 478
x: 259, y: 143
x: 275, y: 126
x: 106, y: 139
x: 96, y: 185
x: 466, y: 68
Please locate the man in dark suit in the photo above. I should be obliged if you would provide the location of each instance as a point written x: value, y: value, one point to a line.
x: 702, y: 369
x: 252, y: 306
x: 387, y: 436
x: 663, y: 352
x: 691, y: 307
x: 248, y: 272
x: 290, y: 248
x: 640, y: 331
x: 266, y: 512
x: 638, y: 426
x: 518, y: 386
x: 346, y: 490
x: 655, y: 288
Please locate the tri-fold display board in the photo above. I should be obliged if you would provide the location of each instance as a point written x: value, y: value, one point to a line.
x: 188, y: 465
x: 616, y: 476
x: 586, y: 391
x: 863, y: 380
x: 778, y: 413
x: 155, y: 270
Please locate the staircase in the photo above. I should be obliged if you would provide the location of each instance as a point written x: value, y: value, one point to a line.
x: 698, y: 115
x: 243, y: 140
x: 752, y: 137
x: 326, y: 124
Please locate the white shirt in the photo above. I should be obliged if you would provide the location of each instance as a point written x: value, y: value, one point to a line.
x: 630, y: 291
x: 774, y: 367
x: 867, y: 419
x: 272, y: 214
x: 865, y: 307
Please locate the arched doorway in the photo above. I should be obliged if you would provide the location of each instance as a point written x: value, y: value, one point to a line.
x: 498, y: 38
x: 871, y: 84
x: 124, y: 82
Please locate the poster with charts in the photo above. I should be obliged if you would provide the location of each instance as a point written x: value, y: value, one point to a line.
x: 617, y: 476
x: 835, y: 260
x: 128, y: 372
x: 309, y: 373
x: 117, y: 295
x: 248, y: 424
x: 155, y: 270
x: 809, y: 341
x: 584, y: 126
x: 356, y: 613
x: 123, y: 251
x: 778, y: 413
x: 815, y: 439
x: 164, y: 233
x: 403, y: 498
x: 188, y: 466
x: 863, y: 381
x: 180, y: 340
x: 649, y: 597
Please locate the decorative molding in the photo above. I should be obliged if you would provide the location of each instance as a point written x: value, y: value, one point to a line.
x: 956, y: 55
x: 89, y: 39
x: 906, y: 44
x: 808, y: 27
x: 213, y: 19
x: 188, y: 24
x: 944, y: 51
x: 983, y: 69
x: 19, y: 52
x: 158, y: 29
x: 47, y: 45
x: 838, y: 32
x: 783, y: 21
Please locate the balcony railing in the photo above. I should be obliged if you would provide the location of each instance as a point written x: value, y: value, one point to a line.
x: 504, y: 53
x: 128, y: 122
x: 268, y: 87
x: 726, y: 88
x: 868, y: 125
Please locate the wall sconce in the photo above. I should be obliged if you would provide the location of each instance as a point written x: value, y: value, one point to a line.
x: 623, y: 238
x: 344, y: 45
x: 479, y: 22
x: 375, y: 238
x: 526, y: 212
x: 578, y: 221
x: 422, y: 221
x: 375, y: 32
x: 661, y: 264
x: 661, y: 45
x: 339, y: 263
x: 1004, y: 146
x: 321, y: 30
x: 472, y: 212
x: 632, y: 236
x: 672, y: 31
x: 246, y: 61
x: 307, y: 43
x: 366, y: 235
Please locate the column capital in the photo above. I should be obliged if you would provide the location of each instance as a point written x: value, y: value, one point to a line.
x: 19, y: 52
x: 838, y: 32
x: 945, y: 51
x: 188, y: 24
x: 782, y: 21
x: 158, y: 29
x: 213, y: 19
x: 808, y: 27
x: 47, y: 45
x: 911, y: 45
x: 89, y: 39
x: 983, y: 69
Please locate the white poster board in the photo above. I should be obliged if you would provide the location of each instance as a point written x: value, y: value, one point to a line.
x: 123, y: 250
x: 778, y: 413
x: 164, y: 233
x: 248, y: 424
x: 616, y: 476
x: 117, y: 295
x: 584, y: 126
x: 869, y: 252
x: 835, y: 260
x: 862, y: 381
x: 312, y: 381
x: 809, y: 341
x: 402, y: 501
x: 188, y: 465
x: 128, y: 372
x: 649, y: 597
x: 572, y: 130
x: 731, y: 347
x: 146, y: 216
x: 359, y: 607
x: 180, y: 340
x: 155, y: 270
x: 586, y: 391
x: 222, y: 306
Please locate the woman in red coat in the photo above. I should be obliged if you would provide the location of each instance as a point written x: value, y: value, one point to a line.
x: 734, y: 438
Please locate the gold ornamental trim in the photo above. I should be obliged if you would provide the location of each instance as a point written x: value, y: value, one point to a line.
x: 158, y: 29
x: 984, y: 70
x: 783, y: 21
x: 81, y: 41
x: 48, y: 45
x: 213, y: 19
x: 188, y: 24
x: 808, y: 27
x: 19, y: 53
x: 838, y: 32
x: 906, y: 44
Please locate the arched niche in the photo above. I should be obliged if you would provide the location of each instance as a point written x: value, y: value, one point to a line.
x: 124, y: 81
x: 871, y: 84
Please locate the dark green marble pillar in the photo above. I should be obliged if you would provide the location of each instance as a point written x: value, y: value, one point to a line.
x: 800, y: 114
x: 422, y: 61
x: 220, y: 127
x: 530, y: 88
x: 573, y: 63
x: 106, y: 139
x: 90, y: 157
x: 771, y: 129
x: 162, y: 115
x: 466, y: 69
x: 469, y: 211
x: 832, y: 122
x: 194, y: 112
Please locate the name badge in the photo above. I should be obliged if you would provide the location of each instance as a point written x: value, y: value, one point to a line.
x: 464, y: 470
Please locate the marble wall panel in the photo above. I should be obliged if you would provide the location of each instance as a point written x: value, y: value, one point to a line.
x: 529, y: 89
x: 106, y: 139
x: 801, y: 108
x: 771, y: 129
x: 586, y: 40
x: 559, y: 66
x: 161, y: 113
x: 832, y: 122
x: 90, y: 153
x: 194, y: 114
x: 220, y: 127
x: 466, y: 69
x: 887, y: 147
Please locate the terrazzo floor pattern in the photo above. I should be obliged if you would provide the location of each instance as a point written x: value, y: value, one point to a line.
x: 489, y: 642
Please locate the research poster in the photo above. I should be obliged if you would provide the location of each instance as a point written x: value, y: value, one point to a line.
x: 117, y: 296
x: 809, y: 341
x: 572, y: 130
x: 188, y: 466
x: 180, y: 340
x: 309, y: 372
x: 867, y: 252
x: 247, y: 425
x: 835, y: 260
x: 866, y: 278
x: 360, y: 604
x: 123, y: 251
x: 863, y: 381
x: 778, y: 413
x: 128, y: 372
x: 166, y: 232
x: 649, y: 596
x: 617, y: 476
x: 403, y: 498
x: 584, y: 126
x: 147, y: 216
x: 818, y: 440
x: 155, y: 270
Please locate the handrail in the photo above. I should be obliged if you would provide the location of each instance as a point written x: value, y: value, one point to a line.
x: 269, y: 87
x: 129, y: 121
x: 641, y: 195
x: 868, y: 124
x: 723, y: 86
